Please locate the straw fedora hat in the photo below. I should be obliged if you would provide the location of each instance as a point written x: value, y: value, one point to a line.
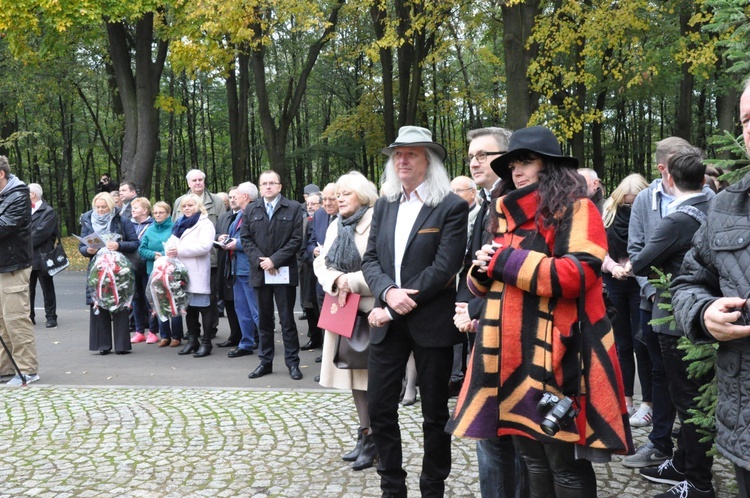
x: 415, y: 136
x: 537, y: 140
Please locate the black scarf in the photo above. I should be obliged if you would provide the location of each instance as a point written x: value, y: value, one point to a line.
x: 183, y: 223
x: 343, y: 254
x: 617, y: 234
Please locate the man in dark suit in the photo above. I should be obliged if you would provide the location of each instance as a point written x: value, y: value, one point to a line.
x: 271, y: 236
x: 225, y: 271
x: 43, y: 235
x: 416, y: 246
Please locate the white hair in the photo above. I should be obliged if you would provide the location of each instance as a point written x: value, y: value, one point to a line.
x: 193, y: 172
x: 436, y: 180
x: 37, y: 189
x: 588, y: 173
x: 249, y: 189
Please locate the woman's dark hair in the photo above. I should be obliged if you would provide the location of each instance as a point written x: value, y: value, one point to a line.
x: 560, y: 186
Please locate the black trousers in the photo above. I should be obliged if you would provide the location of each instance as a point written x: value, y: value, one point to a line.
x: 103, y: 325
x: 235, y: 333
x: 743, y: 481
x: 208, y: 314
x: 553, y: 471
x: 386, y: 367
x: 48, y: 291
x: 690, y: 456
x: 285, y: 297
x: 313, y: 315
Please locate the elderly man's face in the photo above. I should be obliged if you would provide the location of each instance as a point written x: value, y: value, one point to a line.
x: 464, y: 190
x: 411, y: 165
x: 312, y: 203
x: 745, y: 117
x: 197, y: 184
x: 233, y: 205
x: 330, y: 205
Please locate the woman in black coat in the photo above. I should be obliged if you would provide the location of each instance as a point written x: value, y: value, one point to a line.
x: 105, y: 218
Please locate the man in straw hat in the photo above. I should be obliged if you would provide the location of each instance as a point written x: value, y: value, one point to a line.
x: 415, y: 249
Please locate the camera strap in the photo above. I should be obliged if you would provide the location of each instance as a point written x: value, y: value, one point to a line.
x: 581, y: 302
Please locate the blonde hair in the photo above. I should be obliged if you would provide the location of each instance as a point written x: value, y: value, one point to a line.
x: 360, y: 185
x: 197, y: 200
x: 164, y: 205
x: 145, y: 203
x: 630, y: 185
x: 106, y: 197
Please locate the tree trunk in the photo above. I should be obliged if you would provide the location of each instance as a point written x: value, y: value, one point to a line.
x: 138, y: 91
x: 379, y: 15
x: 518, y: 21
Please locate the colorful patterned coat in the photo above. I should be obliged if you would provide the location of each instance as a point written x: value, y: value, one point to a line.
x: 524, y: 345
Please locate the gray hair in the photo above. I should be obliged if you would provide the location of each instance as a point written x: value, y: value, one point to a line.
x: 588, y: 173
x: 437, y: 182
x: 501, y: 135
x: 249, y: 189
x: 193, y: 172
x: 36, y: 189
x: 466, y: 179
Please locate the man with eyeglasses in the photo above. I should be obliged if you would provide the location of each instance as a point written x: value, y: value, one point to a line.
x: 271, y: 237
x: 501, y: 471
x: 307, y: 281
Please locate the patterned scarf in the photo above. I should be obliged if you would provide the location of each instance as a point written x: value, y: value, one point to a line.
x: 184, y: 223
x: 343, y: 254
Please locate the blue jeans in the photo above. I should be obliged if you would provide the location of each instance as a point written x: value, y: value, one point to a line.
x: 246, y: 307
x: 172, y: 328
x: 502, y: 473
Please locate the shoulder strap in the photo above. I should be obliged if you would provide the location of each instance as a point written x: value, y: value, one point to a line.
x: 581, y: 301
x: 693, y: 212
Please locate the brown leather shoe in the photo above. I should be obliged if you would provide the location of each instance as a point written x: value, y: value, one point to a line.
x: 175, y: 343
x: 164, y: 343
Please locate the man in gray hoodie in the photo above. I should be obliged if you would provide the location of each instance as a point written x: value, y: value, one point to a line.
x: 649, y: 207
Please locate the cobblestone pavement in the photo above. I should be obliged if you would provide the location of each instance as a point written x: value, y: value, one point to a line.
x: 146, y: 442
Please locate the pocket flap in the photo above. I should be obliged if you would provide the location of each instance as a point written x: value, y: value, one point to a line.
x: 731, y: 239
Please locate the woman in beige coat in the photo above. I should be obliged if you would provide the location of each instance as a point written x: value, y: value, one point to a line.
x: 338, y: 268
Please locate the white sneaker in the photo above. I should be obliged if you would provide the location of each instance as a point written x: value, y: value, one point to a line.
x: 642, y: 417
x: 16, y: 381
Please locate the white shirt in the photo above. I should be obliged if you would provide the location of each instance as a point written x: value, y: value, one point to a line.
x: 408, y: 210
x: 679, y: 201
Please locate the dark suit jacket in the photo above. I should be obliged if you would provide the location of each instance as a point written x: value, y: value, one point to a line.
x: 279, y: 238
x: 223, y: 265
x: 43, y: 233
x: 318, y: 234
x: 434, y: 254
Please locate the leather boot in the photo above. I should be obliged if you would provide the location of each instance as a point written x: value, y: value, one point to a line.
x: 190, y: 347
x: 352, y: 455
x: 369, y: 453
x: 205, y: 348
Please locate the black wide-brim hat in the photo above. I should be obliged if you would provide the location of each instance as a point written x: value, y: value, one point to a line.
x: 537, y: 140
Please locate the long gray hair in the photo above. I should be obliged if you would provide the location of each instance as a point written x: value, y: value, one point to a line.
x: 437, y: 182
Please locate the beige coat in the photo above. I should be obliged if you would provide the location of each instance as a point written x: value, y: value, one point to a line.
x: 330, y: 376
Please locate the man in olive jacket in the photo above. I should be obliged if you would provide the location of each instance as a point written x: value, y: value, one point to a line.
x: 16, y: 328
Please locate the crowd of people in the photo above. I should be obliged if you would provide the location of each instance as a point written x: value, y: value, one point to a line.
x: 493, y: 287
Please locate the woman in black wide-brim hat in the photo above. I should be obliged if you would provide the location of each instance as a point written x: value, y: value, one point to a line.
x: 527, y: 347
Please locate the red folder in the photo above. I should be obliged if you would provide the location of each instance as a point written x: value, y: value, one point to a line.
x: 339, y: 319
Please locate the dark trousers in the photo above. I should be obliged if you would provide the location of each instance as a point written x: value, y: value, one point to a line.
x: 690, y: 456
x: 141, y: 309
x: 212, y: 326
x: 103, y: 325
x: 313, y: 315
x: 625, y: 296
x: 235, y: 333
x: 553, y: 470
x: 285, y: 297
x: 664, y: 411
x: 502, y: 473
x: 195, y: 315
x: 172, y: 328
x: 386, y: 367
x: 743, y: 481
x: 48, y: 291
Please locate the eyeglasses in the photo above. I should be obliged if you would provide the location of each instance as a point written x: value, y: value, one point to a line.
x: 459, y: 190
x: 313, y: 203
x: 482, y: 155
x: 269, y: 184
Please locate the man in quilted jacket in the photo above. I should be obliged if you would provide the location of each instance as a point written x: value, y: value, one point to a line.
x: 710, y: 304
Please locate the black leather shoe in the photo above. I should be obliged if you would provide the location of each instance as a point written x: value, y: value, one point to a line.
x: 51, y: 324
x: 295, y: 373
x: 237, y: 352
x: 33, y: 321
x: 104, y: 352
x: 316, y: 378
x: 311, y: 345
x: 263, y: 369
x: 319, y: 359
x: 228, y: 344
x: 203, y: 351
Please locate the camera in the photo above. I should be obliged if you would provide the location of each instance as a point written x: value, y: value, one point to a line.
x: 559, y: 412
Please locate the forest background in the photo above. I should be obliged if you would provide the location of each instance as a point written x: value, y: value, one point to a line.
x: 149, y: 89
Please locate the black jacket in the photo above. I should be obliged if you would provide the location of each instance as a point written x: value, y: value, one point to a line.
x: 279, y: 238
x: 43, y: 233
x: 15, y: 226
x: 718, y: 265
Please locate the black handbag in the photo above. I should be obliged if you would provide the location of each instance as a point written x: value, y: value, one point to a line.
x: 351, y: 354
x: 56, y: 260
